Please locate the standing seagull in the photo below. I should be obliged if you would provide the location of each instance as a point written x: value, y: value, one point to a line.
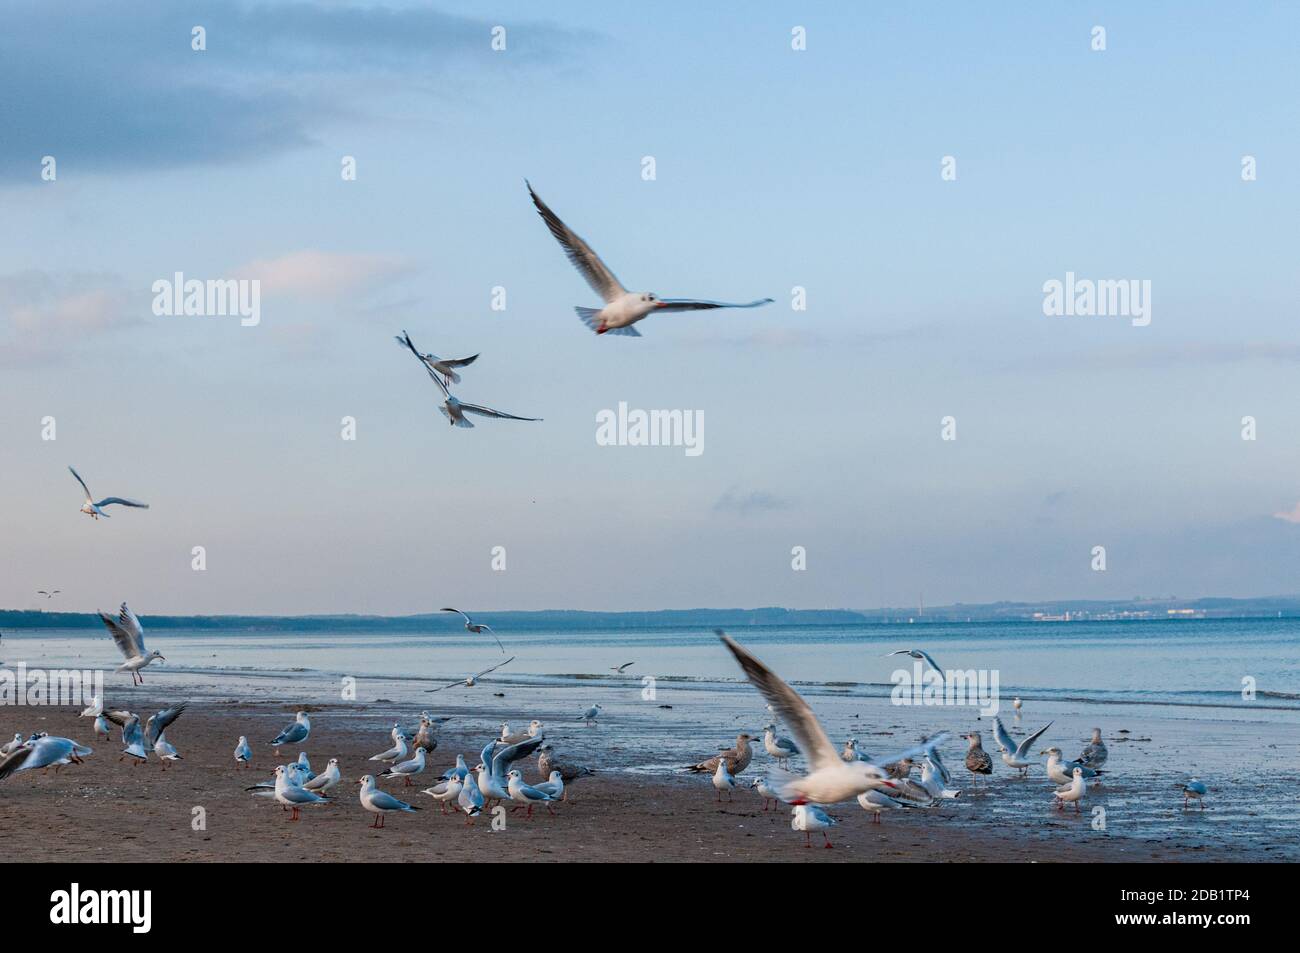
x: 1192, y: 789
x: 782, y: 749
x: 810, y: 817
x: 622, y: 308
x: 296, y: 733
x: 95, y: 510
x: 830, y: 778
x: 243, y: 753
x: 1071, y: 792
x: 591, y: 714
x: 1095, y: 754
x: 977, y: 759
x: 380, y: 803
x: 1013, y: 755
x: 453, y: 409
x: 442, y: 365
x: 478, y: 628
x: 129, y: 636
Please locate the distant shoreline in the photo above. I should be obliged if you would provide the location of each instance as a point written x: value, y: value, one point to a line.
x: 1034, y: 613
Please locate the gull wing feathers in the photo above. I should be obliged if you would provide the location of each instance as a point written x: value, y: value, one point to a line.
x: 688, y: 304
x: 126, y: 632
x: 809, y: 734
x: 158, y: 723
x: 1023, y: 749
x: 587, y: 262
x: 108, y: 500
x: 489, y: 412
x: 85, y: 489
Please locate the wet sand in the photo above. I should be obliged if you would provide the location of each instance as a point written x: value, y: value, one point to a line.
x: 112, y: 811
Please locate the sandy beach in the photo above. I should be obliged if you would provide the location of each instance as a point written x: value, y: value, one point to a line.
x: 112, y: 811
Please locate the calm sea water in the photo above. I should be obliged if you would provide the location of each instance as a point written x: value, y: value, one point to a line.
x: 1201, y: 663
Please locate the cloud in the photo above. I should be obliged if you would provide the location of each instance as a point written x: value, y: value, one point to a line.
x: 1289, y: 516
x: 45, y: 315
x: 747, y: 504
x: 320, y: 274
x: 111, y: 87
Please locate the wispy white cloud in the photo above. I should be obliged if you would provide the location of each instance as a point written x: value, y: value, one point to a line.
x: 1289, y: 516
x: 319, y: 274
x: 44, y: 315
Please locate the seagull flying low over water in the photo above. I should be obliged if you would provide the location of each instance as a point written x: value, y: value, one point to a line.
x: 48, y: 594
x: 470, y: 680
x: 129, y: 636
x: 96, y: 510
x: 442, y: 365
x: 830, y: 778
x: 478, y: 628
x: 620, y: 669
x: 920, y: 655
x: 622, y: 308
x: 452, y: 408
x: 1015, y: 755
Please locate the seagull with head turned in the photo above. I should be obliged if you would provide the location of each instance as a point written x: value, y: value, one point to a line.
x: 405, y: 769
x: 977, y: 759
x: 327, y: 780
x: 780, y: 748
x: 622, y: 308
x: 1195, y: 790
x: 830, y: 778
x: 591, y: 714
x: 128, y: 635
x: 96, y: 510
x: 396, y: 753
x: 1071, y: 792
x: 445, y: 792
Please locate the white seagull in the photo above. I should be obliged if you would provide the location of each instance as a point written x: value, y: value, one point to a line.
x: 128, y: 634
x: 452, y: 408
x: 42, y: 752
x: 165, y: 750
x: 809, y: 818
x: 296, y: 733
x: 327, y: 780
x: 406, y: 769
x: 443, y: 365
x: 470, y: 800
x: 445, y: 792
x: 722, y: 780
x: 243, y: 753
x: 622, y: 308
x: 95, y: 510
x: 782, y: 749
x: 11, y: 746
x: 397, y: 752
x: 496, y: 760
x: 469, y: 681
x: 830, y: 778
x: 920, y: 655
x: 291, y: 795
x: 1195, y: 789
x: 1016, y: 755
x: 525, y: 794
x: 381, y: 803
x: 478, y: 628
x: 591, y: 714
x: 1071, y: 792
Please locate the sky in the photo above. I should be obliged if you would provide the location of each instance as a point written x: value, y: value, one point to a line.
x: 775, y: 169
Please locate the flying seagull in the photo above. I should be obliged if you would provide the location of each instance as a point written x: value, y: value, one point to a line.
x: 620, y: 669
x: 469, y: 682
x: 443, y: 365
x: 830, y: 779
x: 50, y: 594
x: 129, y: 636
x: 1016, y: 755
x: 452, y: 408
x: 95, y: 510
x: 622, y: 308
x: 478, y: 628
x: 920, y: 655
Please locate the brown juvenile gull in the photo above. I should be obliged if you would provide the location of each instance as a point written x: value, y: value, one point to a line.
x: 569, y: 771
x: 977, y: 759
x: 737, y: 758
x: 1095, y: 754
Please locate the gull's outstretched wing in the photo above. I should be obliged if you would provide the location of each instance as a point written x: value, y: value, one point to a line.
x: 494, y: 667
x: 14, y: 760
x: 508, y: 755
x: 787, y: 703
x: 1023, y: 748
x: 489, y: 412
x: 458, y: 612
x: 109, y: 500
x: 85, y: 489
x: 688, y: 304
x: 600, y: 278
x: 126, y: 632
x: 158, y: 723
x: 405, y: 339
x: 1002, y: 736
x: 459, y: 361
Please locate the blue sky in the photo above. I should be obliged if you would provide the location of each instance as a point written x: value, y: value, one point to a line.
x: 775, y: 169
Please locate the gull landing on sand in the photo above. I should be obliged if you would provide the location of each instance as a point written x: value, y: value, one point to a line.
x: 128, y: 634
x: 622, y: 308
x: 452, y: 408
x: 830, y: 778
x: 96, y: 510
x: 1015, y: 755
